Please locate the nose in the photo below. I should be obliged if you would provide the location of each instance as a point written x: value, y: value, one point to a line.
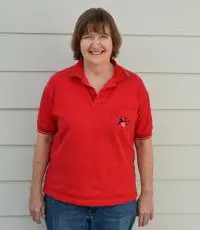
x: 96, y: 42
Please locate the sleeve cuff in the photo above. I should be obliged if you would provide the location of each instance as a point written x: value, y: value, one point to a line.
x: 45, y: 132
x: 143, y: 138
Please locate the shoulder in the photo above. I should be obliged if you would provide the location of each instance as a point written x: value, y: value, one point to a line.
x: 135, y: 79
x: 59, y: 77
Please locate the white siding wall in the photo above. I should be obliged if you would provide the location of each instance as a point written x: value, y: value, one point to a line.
x: 161, y: 42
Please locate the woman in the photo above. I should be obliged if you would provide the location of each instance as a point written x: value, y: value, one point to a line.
x: 91, y: 115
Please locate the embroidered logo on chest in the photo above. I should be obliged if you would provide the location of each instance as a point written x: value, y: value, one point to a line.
x: 123, y: 121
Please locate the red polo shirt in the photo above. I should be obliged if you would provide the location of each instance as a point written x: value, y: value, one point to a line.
x: 92, y: 155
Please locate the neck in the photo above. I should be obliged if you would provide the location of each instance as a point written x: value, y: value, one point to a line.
x: 103, y: 70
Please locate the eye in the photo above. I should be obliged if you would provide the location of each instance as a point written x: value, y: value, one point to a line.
x: 104, y: 36
x: 87, y: 36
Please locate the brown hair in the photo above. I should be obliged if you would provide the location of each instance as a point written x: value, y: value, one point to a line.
x: 96, y: 19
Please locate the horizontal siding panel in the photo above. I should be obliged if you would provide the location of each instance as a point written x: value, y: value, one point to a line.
x: 20, y: 223
x: 170, y: 127
x: 145, y: 17
x: 23, y: 89
x: 164, y: 222
x: 14, y: 198
x: 176, y: 163
x: 176, y: 127
x: 172, y: 222
x: 147, y: 54
x: 173, y: 91
x: 161, y: 54
x: 16, y: 163
x: 45, y: 53
x: 170, y: 163
x: 170, y: 197
x: 17, y: 127
x: 177, y: 197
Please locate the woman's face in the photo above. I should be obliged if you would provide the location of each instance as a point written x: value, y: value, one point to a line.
x: 96, y: 47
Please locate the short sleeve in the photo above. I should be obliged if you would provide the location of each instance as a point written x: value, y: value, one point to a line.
x: 46, y: 122
x: 144, y: 126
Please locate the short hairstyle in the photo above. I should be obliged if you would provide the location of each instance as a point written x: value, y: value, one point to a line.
x: 95, y: 19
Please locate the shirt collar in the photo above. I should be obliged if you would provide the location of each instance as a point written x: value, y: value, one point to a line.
x: 120, y: 74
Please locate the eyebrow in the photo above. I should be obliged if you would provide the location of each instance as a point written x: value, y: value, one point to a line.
x: 97, y: 33
x: 106, y: 33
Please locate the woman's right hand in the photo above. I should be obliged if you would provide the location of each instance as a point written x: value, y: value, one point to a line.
x: 36, y: 207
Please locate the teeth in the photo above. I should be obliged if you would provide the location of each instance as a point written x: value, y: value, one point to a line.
x: 96, y: 52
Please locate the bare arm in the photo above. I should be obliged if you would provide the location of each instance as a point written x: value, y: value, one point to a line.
x: 145, y: 164
x: 40, y: 161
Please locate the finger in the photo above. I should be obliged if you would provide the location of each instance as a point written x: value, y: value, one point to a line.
x: 37, y: 216
x: 43, y: 212
x: 39, y: 221
x: 141, y: 219
x: 30, y: 211
x: 146, y: 218
x: 33, y: 215
x: 151, y: 215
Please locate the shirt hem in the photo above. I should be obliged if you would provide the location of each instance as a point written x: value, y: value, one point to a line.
x: 76, y: 201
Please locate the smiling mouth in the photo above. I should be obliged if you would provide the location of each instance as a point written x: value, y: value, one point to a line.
x: 96, y: 52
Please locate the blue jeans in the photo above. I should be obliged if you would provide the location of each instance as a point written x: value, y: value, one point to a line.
x: 65, y: 216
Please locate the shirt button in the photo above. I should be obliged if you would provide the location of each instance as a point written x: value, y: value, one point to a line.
x: 97, y: 99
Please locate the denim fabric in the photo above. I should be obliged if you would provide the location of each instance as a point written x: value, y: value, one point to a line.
x: 66, y: 216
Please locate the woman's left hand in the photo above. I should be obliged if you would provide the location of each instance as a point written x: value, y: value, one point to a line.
x: 145, y: 208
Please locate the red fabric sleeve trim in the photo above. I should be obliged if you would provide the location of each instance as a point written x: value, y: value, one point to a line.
x: 143, y: 138
x: 44, y: 132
